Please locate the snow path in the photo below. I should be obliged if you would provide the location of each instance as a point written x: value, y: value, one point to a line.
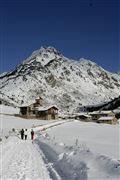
x: 20, y: 160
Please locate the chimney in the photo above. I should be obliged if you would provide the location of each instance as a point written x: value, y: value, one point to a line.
x: 39, y: 101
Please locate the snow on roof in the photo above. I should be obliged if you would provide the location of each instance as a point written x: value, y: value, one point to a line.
x: 106, y: 112
x: 86, y: 115
x: 117, y: 110
x: 38, y: 98
x: 82, y: 114
x: 106, y: 118
x: 100, y: 112
x: 41, y: 108
x: 27, y: 104
x: 79, y: 114
x: 95, y: 112
x: 45, y: 108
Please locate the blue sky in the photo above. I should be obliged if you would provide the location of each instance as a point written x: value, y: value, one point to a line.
x: 77, y: 28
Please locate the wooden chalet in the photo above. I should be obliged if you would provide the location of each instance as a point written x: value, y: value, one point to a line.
x: 83, y: 117
x: 47, y: 113
x: 37, y: 110
x: 97, y: 114
x: 28, y: 110
x: 108, y: 120
x: 79, y: 116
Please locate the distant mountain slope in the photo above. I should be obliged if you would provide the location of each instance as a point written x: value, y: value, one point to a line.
x: 111, y: 105
x: 59, y: 80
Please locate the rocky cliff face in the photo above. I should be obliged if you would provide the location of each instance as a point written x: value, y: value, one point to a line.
x: 59, y: 80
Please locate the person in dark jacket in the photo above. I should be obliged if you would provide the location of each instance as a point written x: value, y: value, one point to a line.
x: 22, y: 133
x: 32, y: 134
x: 26, y: 134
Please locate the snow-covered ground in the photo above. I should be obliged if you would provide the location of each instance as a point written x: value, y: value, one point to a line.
x: 62, y: 150
x: 100, y: 138
x: 8, y: 110
x: 74, y: 162
x: 20, y: 160
x: 7, y: 123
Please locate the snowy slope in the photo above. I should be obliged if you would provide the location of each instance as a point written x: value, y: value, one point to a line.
x: 110, y: 105
x: 59, y: 80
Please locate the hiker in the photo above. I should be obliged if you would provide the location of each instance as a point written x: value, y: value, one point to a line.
x: 32, y: 134
x: 26, y: 133
x: 22, y: 133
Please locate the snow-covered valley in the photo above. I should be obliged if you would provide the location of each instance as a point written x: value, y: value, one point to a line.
x: 61, y: 150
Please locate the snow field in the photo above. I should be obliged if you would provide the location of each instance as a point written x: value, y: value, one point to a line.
x: 63, y: 151
x: 100, y: 138
x: 73, y: 162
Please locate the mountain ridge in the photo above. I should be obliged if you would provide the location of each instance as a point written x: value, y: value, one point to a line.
x: 59, y: 80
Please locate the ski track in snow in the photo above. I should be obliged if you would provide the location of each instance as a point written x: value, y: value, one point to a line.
x: 22, y: 161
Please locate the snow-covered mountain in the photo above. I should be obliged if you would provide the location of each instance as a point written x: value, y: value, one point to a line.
x: 111, y: 105
x: 58, y: 80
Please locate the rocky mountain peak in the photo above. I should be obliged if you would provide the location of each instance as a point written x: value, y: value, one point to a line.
x: 44, y: 55
x: 59, y: 80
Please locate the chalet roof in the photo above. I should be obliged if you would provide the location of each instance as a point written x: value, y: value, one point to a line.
x: 82, y: 114
x: 27, y: 104
x: 106, y: 118
x: 86, y: 115
x: 117, y: 110
x: 41, y: 108
x: 106, y: 112
x: 39, y: 98
x: 78, y: 115
x: 100, y: 112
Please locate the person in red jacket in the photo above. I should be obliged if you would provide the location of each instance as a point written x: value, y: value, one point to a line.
x: 32, y: 134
